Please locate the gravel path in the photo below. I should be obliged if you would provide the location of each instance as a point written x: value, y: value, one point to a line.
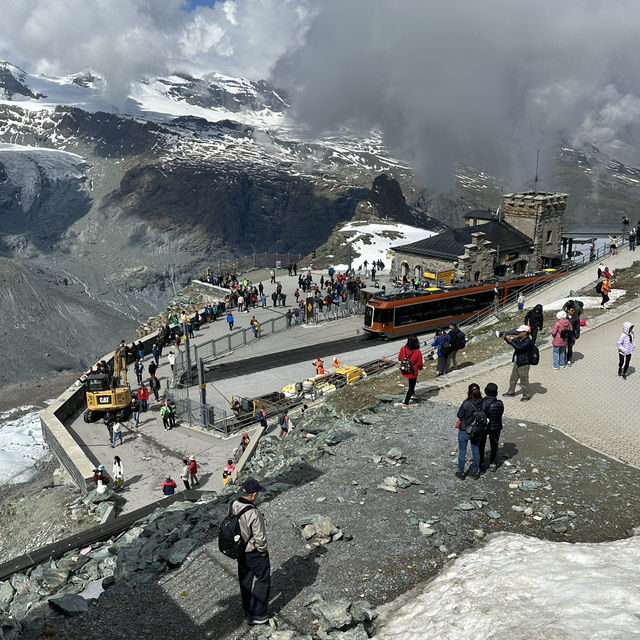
x: 573, y: 494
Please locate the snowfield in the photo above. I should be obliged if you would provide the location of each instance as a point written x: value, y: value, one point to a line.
x: 21, y: 444
x: 522, y: 588
x: 372, y: 241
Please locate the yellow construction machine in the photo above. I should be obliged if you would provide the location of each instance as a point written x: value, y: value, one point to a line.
x: 109, y: 392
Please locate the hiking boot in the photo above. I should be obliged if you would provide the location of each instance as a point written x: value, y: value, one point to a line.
x: 525, y: 398
x: 619, y: 372
x: 475, y: 474
x: 568, y: 363
x: 493, y: 466
x: 624, y: 376
x: 460, y: 475
x: 408, y: 406
x: 508, y: 395
x: 264, y: 620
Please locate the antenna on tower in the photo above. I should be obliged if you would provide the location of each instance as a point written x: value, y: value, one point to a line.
x: 535, y: 184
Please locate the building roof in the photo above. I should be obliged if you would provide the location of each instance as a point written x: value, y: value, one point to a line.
x: 449, y: 245
x: 480, y: 214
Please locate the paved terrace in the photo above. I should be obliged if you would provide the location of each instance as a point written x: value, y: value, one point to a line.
x: 559, y: 397
x: 587, y: 401
x: 150, y: 453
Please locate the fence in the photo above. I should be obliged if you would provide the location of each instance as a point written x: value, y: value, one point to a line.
x: 255, y: 261
x: 217, y: 347
x: 197, y: 414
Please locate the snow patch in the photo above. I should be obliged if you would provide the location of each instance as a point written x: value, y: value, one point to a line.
x: 521, y: 587
x: 372, y: 241
x: 21, y: 444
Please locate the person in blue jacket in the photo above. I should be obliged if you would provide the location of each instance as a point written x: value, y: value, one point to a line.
x: 440, y: 339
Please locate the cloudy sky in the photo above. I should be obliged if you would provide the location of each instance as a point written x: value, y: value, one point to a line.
x: 481, y: 82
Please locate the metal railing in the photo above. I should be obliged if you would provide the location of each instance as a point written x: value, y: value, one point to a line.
x: 217, y: 347
x: 255, y: 261
x: 535, y: 286
x: 196, y: 414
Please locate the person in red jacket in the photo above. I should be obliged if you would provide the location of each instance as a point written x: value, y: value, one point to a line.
x: 143, y: 396
x: 193, y: 471
x: 410, y: 358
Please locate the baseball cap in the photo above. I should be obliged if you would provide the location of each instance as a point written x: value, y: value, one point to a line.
x: 100, y: 467
x: 251, y: 485
x: 523, y: 327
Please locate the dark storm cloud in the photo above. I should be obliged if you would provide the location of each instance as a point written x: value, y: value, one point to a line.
x: 479, y: 82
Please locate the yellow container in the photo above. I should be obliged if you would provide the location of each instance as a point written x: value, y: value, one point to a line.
x: 351, y: 373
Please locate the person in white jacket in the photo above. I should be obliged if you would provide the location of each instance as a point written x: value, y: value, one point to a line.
x: 626, y: 346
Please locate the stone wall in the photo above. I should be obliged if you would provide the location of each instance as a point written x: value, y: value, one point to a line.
x: 478, y: 260
x: 540, y: 216
x: 211, y: 292
x: 409, y: 263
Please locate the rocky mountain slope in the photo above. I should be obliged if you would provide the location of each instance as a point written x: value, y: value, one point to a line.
x: 131, y: 203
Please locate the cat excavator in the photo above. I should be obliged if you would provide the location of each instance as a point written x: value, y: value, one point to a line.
x: 107, y: 392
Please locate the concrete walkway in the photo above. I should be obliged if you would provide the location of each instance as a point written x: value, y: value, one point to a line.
x: 587, y: 401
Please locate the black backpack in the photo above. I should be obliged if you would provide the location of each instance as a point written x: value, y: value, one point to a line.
x: 478, y: 425
x: 534, y: 356
x: 599, y: 287
x: 461, y: 340
x: 230, y: 540
x: 406, y: 366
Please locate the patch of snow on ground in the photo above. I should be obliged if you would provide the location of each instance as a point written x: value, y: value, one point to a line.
x: 21, y: 444
x: 525, y: 588
x: 590, y: 302
x: 369, y: 243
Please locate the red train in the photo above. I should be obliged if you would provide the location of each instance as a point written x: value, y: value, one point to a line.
x: 399, y: 314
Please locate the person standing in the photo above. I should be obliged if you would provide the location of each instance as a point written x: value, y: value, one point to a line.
x: 135, y: 410
x: 632, y: 239
x: 117, y: 472
x: 521, y: 302
x: 155, y: 351
x: 284, y: 424
x: 154, y: 383
x: 626, y: 347
x: 522, y: 346
x: 262, y: 415
x: 109, y: 421
x: 574, y: 321
x: 254, y: 569
x: 139, y: 368
x: 493, y: 409
x: 184, y: 474
x: 466, y: 414
x: 441, y: 338
x: 272, y: 273
x: 535, y: 320
x: 411, y: 363
x: 153, y: 367
x: 164, y: 414
x: 172, y: 413
x: 143, y: 397
x: 454, y: 334
x: 607, y: 284
x: 169, y: 486
x: 117, y: 433
x: 560, y: 332
x: 230, y: 320
x: 193, y: 471
x: 172, y: 359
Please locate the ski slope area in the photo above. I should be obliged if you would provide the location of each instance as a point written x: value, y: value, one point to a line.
x: 518, y: 587
x: 372, y: 241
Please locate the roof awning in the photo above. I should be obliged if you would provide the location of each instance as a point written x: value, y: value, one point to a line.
x: 551, y: 256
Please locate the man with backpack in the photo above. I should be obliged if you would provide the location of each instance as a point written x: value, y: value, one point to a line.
x: 457, y: 340
x: 254, y: 569
x: 493, y: 409
x: 523, y: 349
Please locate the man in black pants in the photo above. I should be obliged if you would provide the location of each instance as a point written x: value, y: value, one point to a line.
x: 493, y: 409
x: 254, y: 569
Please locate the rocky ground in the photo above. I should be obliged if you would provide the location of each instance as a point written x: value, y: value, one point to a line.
x: 384, y: 478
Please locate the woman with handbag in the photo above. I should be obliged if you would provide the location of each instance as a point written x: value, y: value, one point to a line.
x: 466, y: 417
x: 410, y: 358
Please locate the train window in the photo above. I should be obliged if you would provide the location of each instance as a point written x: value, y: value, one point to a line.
x: 383, y: 315
x: 368, y: 315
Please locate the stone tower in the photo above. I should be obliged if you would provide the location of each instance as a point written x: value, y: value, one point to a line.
x: 539, y: 216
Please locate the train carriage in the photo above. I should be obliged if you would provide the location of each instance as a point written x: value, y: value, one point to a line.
x: 399, y: 314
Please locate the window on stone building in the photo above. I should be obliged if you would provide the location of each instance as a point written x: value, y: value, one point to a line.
x: 549, y: 237
x: 476, y: 276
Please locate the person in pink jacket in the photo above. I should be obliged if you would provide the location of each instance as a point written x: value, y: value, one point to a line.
x: 560, y: 332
